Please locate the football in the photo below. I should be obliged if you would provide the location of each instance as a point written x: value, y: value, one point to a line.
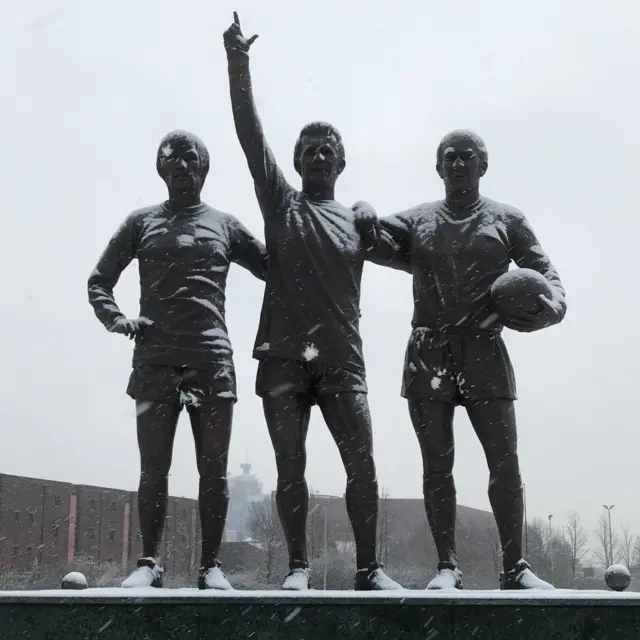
x: 519, y: 289
x: 617, y: 577
x: 74, y: 580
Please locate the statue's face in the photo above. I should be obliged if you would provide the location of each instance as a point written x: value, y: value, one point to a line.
x: 179, y: 164
x: 319, y: 161
x: 461, y: 165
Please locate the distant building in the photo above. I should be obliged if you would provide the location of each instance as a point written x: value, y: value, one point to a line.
x: 244, y: 489
x: 403, y: 534
x: 57, y: 524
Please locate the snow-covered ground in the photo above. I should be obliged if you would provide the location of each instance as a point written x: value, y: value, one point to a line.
x: 149, y: 593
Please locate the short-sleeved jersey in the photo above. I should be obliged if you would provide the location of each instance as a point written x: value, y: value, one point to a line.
x: 184, y: 256
x: 312, y: 300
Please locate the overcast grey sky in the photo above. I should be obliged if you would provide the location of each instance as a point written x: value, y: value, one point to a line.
x: 88, y: 89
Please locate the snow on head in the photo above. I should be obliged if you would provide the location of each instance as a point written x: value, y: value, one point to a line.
x: 310, y: 352
x: 454, y: 137
x: 177, y: 142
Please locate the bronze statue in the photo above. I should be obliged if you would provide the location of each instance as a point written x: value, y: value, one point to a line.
x: 182, y: 355
x: 456, y: 249
x: 309, y: 346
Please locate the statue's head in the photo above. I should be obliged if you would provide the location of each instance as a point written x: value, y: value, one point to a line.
x: 183, y: 162
x: 319, y: 154
x: 462, y: 160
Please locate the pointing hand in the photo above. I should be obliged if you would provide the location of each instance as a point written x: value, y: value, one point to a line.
x: 233, y: 38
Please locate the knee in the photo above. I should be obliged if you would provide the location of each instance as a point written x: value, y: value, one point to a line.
x: 213, y: 466
x: 505, y: 470
x: 214, y: 485
x: 291, y: 465
x: 361, y: 468
x: 440, y: 484
x: 154, y: 471
x: 438, y: 464
x: 364, y: 484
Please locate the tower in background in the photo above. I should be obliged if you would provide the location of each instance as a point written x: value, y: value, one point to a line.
x: 244, y: 489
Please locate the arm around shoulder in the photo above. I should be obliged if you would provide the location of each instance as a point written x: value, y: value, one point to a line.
x: 246, y: 250
x: 393, y: 241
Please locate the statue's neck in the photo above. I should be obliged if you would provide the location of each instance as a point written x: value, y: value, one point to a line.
x: 319, y: 191
x: 183, y: 198
x: 462, y: 200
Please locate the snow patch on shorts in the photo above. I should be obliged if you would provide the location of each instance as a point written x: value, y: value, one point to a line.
x: 310, y: 352
x: 189, y: 399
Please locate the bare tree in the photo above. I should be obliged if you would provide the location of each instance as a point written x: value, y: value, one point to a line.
x: 636, y: 551
x: 383, y: 527
x: 538, y: 544
x: 265, y: 527
x: 607, y: 542
x: 315, y: 525
x: 491, y: 539
x: 627, y: 546
x: 577, y: 541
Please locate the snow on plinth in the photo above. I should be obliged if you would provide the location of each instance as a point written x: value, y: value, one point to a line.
x: 533, y: 596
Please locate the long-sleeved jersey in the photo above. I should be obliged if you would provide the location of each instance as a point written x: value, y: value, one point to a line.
x: 184, y: 256
x: 455, y: 262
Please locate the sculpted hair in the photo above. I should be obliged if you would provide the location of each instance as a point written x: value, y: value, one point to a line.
x: 473, y: 138
x: 319, y: 128
x: 189, y: 138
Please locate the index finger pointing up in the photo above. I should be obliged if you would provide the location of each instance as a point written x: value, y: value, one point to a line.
x: 236, y: 19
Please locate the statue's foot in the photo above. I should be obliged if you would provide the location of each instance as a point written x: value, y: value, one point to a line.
x: 148, y: 573
x: 447, y: 578
x: 297, y: 580
x: 374, y: 579
x: 521, y: 577
x: 212, y: 577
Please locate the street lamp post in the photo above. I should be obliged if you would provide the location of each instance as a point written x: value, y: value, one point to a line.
x: 324, y: 571
x: 608, y: 508
x: 526, y: 524
x: 551, y: 550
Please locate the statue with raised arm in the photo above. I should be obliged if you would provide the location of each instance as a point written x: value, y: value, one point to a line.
x: 182, y: 356
x: 309, y: 346
x: 458, y: 250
